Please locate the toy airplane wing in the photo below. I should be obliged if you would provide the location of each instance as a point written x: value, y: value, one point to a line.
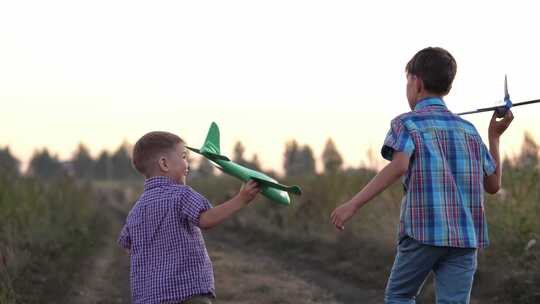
x: 291, y: 189
x: 501, y: 110
x: 209, y: 154
x: 270, y: 188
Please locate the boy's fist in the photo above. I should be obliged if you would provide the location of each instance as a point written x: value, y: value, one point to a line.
x: 497, y: 127
x: 249, y: 191
x: 342, y: 214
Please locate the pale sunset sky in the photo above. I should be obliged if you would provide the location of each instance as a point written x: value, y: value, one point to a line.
x: 101, y: 72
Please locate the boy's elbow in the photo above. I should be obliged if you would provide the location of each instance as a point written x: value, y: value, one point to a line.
x: 492, y: 188
x: 205, y: 223
x: 401, y: 167
x: 205, y: 226
x: 401, y: 163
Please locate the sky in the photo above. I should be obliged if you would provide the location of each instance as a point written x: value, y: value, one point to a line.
x: 104, y: 72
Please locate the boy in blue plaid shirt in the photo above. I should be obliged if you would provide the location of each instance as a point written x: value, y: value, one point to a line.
x: 446, y: 169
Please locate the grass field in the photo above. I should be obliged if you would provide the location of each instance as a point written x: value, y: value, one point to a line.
x: 50, y: 229
x: 509, y: 270
x: 45, y: 228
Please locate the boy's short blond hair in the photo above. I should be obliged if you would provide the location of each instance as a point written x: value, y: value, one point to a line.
x: 148, y: 148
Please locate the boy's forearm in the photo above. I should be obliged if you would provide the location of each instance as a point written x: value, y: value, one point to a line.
x: 220, y: 213
x: 494, y: 150
x: 386, y: 177
x: 494, y: 181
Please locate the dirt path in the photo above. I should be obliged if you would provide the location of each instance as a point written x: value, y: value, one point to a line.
x: 243, y: 274
x: 104, y: 277
x: 284, y: 277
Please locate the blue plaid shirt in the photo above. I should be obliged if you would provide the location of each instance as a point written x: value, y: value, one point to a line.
x: 443, y: 203
x: 169, y: 261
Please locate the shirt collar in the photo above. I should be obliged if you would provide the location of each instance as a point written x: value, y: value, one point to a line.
x: 429, y: 101
x: 158, y: 181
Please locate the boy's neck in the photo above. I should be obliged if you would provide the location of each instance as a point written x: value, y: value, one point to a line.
x: 165, y: 175
x: 425, y: 95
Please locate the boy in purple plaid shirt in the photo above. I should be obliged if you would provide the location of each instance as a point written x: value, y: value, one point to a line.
x: 446, y: 168
x: 169, y: 261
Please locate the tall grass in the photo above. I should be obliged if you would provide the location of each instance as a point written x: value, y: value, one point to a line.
x: 47, y: 226
x: 514, y: 220
x: 509, y: 270
x: 44, y: 226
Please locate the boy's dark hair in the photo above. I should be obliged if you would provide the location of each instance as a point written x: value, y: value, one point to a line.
x: 436, y: 67
x: 148, y: 148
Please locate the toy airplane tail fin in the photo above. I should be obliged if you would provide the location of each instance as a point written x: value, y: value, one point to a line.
x: 211, y: 146
x: 211, y: 143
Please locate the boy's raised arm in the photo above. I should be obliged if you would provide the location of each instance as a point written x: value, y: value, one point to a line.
x: 387, y: 176
x: 218, y: 214
x: 492, y: 183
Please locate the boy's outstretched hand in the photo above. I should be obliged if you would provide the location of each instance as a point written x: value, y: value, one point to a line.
x: 214, y: 216
x: 497, y: 127
x: 388, y: 175
x: 249, y: 191
x: 493, y: 183
x: 342, y: 214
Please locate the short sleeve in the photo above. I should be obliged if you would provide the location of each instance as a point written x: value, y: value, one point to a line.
x: 193, y: 204
x: 124, y: 240
x: 488, y: 162
x: 397, y: 139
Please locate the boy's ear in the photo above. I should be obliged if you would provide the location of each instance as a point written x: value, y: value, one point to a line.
x: 448, y: 91
x: 419, y: 85
x: 163, y: 164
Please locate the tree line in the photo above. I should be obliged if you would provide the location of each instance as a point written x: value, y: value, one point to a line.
x: 298, y: 160
x: 44, y: 165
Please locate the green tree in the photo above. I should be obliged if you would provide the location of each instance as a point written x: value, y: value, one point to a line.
x: 121, y: 164
x: 331, y: 158
x: 103, y: 169
x: 298, y: 161
x: 307, y: 159
x: 83, y: 164
x: 238, y: 154
x: 44, y: 165
x: 239, y: 158
x: 8, y: 162
x: 528, y: 157
x: 290, y: 157
x: 255, y: 164
x: 205, y: 168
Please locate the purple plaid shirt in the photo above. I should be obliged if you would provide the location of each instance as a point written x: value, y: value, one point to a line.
x: 169, y: 261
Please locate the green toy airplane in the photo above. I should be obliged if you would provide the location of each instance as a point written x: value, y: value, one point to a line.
x: 270, y: 188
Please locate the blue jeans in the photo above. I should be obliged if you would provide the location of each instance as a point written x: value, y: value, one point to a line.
x: 454, y: 270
